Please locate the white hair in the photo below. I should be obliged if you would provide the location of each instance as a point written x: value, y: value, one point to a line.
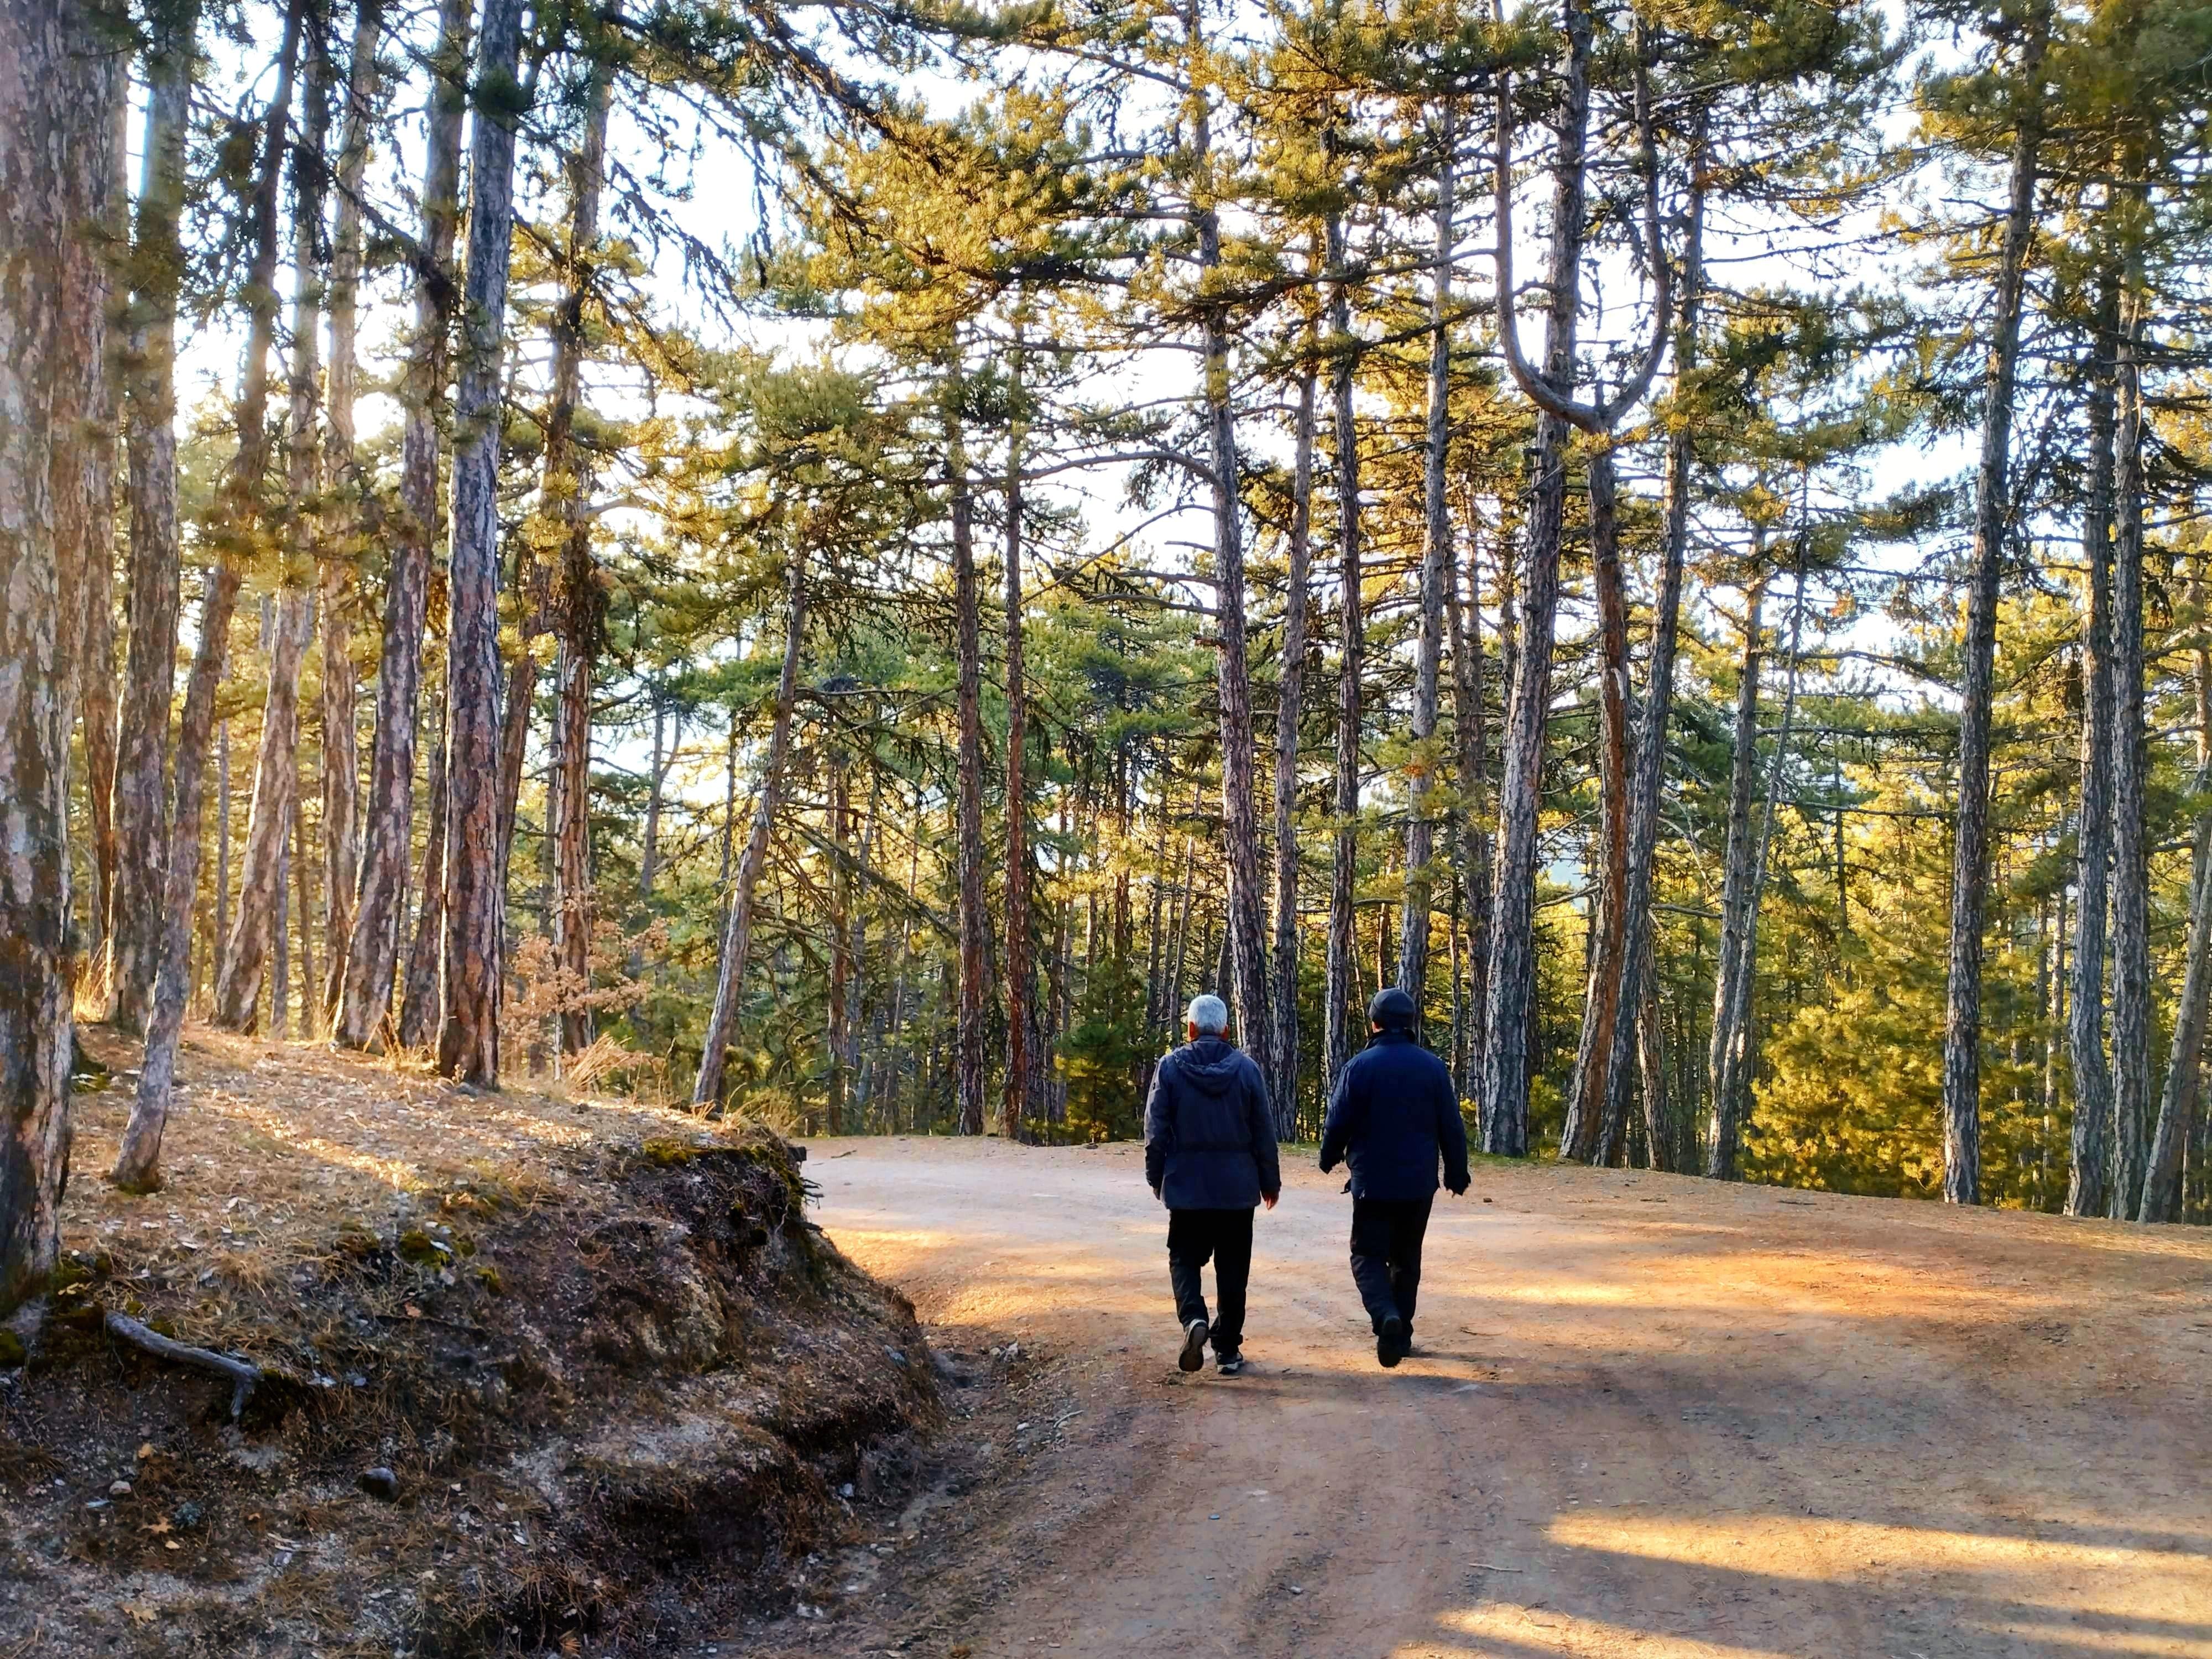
x: 1208, y: 1015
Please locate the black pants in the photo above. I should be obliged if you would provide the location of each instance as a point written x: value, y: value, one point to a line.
x: 1224, y: 1237
x: 1386, y: 1255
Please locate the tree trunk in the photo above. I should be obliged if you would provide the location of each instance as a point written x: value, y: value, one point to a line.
x: 1638, y: 973
x: 2088, y: 1182
x: 236, y: 525
x: 841, y: 959
x: 1584, y: 1137
x: 737, y: 935
x: 1507, y: 1020
x: 1735, y: 887
x: 468, y: 1039
x: 134, y: 920
x: 269, y: 820
x: 1341, y: 983
x: 1240, y: 822
x: 1436, y: 549
x: 974, y: 920
x: 2131, y: 983
x: 579, y: 607
x: 56, y: 173
x: 1290, y: 706
x: 303, y: 880
x: 1470, y: 838
x: 2180, y: 1100
x: 277, y: 770
x: 388, y: 827
x: 1734, y: 1042
x: 418, y: 990
x: 1020, y: 1098
x: 345, y: 526
x: 1962, y: 1020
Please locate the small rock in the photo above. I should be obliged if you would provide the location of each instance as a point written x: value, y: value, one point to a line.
x: 186, y: 1517
x: 119, y: 1489
x: 897, y: 1355
x: 379, y: 1483
x: 845, y: 1491
x: 1013, y: 1351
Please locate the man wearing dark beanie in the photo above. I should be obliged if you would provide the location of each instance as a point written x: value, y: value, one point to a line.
x: 1394, y: 1114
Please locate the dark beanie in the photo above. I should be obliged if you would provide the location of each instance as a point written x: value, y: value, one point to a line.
x: 1392, y: 1010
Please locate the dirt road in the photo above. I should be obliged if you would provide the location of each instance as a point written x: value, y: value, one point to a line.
x: 1649, y: 1416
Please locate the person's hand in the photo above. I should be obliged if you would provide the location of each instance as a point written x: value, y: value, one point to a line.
x: 1269, y: 1199
x: 1456, y: 1188
x: 1326, y: 1165
x: 1156, y: 1194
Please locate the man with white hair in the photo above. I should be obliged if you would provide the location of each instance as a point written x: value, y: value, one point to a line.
x: 1210, y: 1157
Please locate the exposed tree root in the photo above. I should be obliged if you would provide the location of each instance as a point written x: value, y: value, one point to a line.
x: 244, y: 1375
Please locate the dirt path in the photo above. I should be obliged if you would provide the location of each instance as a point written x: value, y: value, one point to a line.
x: 1649, y: 1416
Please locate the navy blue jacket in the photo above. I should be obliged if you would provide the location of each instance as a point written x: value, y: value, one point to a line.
x: 1209, y: 1138
x: 1394, y: 1111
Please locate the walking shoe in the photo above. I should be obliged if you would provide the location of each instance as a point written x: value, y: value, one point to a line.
x: 1390, y: 1342
x: 1230, y: 1363
x: 1193, y: 1346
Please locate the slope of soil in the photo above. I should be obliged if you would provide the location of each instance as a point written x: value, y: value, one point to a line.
x: 540, y: 1374
x: 1649, y: 1416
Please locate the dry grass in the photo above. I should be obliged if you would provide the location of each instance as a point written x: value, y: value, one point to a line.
x: 457, y: 1285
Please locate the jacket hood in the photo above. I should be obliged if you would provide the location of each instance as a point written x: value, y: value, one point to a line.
x: 1209, y: 1064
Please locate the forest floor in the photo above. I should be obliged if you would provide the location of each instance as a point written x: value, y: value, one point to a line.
x: 1648, y: 1415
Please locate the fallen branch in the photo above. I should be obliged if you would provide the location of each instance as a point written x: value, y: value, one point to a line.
x: 243, y: 1374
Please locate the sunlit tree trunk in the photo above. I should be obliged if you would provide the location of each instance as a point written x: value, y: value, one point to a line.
x: 468, y: 1038
x: 1435, y: 549
x: 1962, y: 1020
x: 388, y: 823
x: 738, y: 931
x: 135, y: 922
x: 2131, y: 980
x: 1583, y: 1137
x: 2089, y: 1177
x: 236, y: 523
x: 345, y: 531
x: 56, y: 173
x: 1470, y: 837
x: 1240, y: 820
x: 1021, y: 1097
x: 1638, y: 975
x: 418, y: 981
x: 1290, y: 706
x: 974, y: 921
x: 1341, y: 981
x: 2180, y: 1099
x: 260, y: 928
x: 1737, y: 872
x: 1520, y: 789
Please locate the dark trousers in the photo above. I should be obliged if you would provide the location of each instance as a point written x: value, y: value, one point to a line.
x: 1386, y: 1255
x: 1224, y: 1237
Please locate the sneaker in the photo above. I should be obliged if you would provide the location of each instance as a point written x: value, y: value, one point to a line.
x: 1193, y: 1346
x: 1390, y: 1342
x: 1230, y: 1363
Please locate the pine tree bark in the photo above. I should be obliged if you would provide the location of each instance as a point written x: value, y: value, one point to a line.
x: 2132, y: 982
x: 373, y: 951
x: 1583, y: 1137
x: 1471, y: 839
x: 236, y: 523
x: 1341, y: 970
x: 738, y: 931
x: 468, y: 1038
x: 344, y: 527
x: 2088, y: 1182
x: 1021, y: 1097
x: 1290, y: 708
x: 1240, y: 821
x: 1504, y: 1109
x: 418, y: 987
x: 2180, y: 1100
x: 1962, y: 1020
x: 135, y: 919
x: 974, y: 920
x: 1637, y: 970
x: 1736, y: 876
x: 259, y: 926
x: 56, y: 168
